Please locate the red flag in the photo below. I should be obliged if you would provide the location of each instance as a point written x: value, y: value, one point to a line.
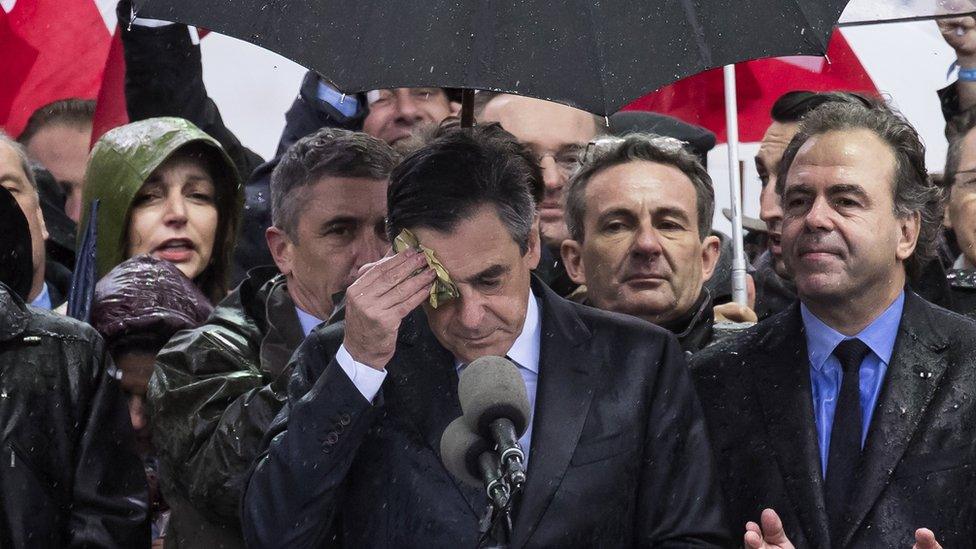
x: 57, y: 50
x: 110, y: 111
x: 700, y: 99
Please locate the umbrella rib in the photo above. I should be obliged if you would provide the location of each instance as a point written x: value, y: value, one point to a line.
x: 704, y: 52
x: 824, y: 41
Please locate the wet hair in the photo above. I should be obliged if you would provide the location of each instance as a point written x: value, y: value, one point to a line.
x: 25, y: 164
x: 794, y: 105
x: 641, y: 147
x: 460, y: 171
x: 329, y: 152
x: 72, y: 112
x: 914, y: 191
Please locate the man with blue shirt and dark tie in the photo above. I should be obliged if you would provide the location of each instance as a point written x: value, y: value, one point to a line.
x: 848, y: 420
x: 216, y: 388
x: 617, y: 455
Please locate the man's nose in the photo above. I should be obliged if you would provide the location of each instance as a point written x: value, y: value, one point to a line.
x: 471, y: 311
x: 647, y: 241
x: 407, y: 107
x: 370, y: 248
x: 552, y: 176
x: 137, y: 412
x: 819, y: 216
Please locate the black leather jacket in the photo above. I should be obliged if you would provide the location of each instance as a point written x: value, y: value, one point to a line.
x: 68, y: 477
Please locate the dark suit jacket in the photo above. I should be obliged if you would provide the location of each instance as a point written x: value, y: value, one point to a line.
x: 917, y: 463
x: 618, y: 458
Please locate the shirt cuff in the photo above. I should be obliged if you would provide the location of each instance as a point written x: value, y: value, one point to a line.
x: 367, y: 380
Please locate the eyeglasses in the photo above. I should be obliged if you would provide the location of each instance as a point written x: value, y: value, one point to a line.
x: 566, y: 160
x: 602, y: 145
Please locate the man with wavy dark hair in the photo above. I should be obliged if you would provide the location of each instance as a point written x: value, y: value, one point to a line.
x: 827, y: 418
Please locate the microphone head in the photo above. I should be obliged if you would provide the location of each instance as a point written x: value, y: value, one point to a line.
x: 492, y: 388
x: 460, y: 449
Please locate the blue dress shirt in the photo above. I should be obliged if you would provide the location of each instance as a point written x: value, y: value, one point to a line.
x: 307, y: 321
x: 43, y: 299
x: 826, y: 374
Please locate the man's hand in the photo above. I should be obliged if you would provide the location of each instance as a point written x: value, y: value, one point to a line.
x: 770, y: 536
x: 960, y: 33
x: 733, y: 312
x: 925, y: 539
x: 379, y: 300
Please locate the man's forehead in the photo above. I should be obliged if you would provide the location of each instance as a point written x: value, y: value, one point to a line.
x: 476, y: 243
x: 540, y: 123
x: 641, y: 183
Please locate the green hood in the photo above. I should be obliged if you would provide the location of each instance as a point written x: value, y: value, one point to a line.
x: 125, y: 157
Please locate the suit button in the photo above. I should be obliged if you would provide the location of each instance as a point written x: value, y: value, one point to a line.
x: 344, y: 420
x: 331, y: 438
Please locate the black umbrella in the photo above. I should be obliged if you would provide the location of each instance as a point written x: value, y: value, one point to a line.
x: 597, y: 55
x: 16, y: 262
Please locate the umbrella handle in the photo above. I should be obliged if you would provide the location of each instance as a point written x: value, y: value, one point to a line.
x: 739, y: 292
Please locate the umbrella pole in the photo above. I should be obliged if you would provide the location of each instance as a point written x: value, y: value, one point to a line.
x: 739, y: 292
x: 467, y: 108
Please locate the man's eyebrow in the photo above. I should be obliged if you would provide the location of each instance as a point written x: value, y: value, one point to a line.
x: 617, y: 212
x: 339, y: 219
x: 848, y: 188
x: 494, y: 271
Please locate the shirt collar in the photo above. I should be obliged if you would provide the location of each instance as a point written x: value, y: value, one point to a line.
x: 43, y: 299
x: 962, y: 263
x: 879, y: 336
x: 525, y: 349
x: 307, y: 321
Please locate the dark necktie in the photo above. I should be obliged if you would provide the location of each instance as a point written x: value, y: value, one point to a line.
x: 845, y: 434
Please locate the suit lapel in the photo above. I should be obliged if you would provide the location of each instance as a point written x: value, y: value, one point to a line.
x: 910, y: 383
x: 425, y: 384
x: 563, y: 398
x: 783, y: 369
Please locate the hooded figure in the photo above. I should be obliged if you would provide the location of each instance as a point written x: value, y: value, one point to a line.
x: 122, y: 162
x: 138, y: 306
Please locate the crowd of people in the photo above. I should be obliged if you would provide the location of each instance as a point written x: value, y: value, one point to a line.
x: 273, y: 348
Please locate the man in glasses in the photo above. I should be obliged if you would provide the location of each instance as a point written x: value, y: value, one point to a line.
x: 557, y: 135
x: 960, y: 218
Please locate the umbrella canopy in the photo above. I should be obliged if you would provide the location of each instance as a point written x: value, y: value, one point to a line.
x: 593, y: 55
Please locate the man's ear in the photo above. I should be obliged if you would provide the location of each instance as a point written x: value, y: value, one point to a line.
x: 572, y: 252
x: 910, y: 227
x: 455, y: 108
x: 710, y: 250
x: 534, y: 253
x: 282, y: 249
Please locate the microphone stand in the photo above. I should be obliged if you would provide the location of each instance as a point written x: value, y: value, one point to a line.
x: 496, y: 525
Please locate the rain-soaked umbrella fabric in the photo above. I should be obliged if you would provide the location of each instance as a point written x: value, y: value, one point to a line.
x: 597, y: 56
x: 16, y: 261
x: 868, y: 12
x: 84, y: 278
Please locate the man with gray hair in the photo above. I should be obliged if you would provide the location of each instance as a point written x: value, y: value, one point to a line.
x: 639, y: 214
x: 16, y: 176
x: 217, y: 388
x: 846, y: 420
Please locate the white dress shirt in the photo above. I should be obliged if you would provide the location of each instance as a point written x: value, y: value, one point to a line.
x: 524, y: 353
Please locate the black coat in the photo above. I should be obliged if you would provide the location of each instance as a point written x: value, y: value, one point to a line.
x: 68, y: 476
x: 618, y: 458
x: 918, y: 460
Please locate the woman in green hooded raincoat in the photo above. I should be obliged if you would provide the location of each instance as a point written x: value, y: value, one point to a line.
x: 169, y: 190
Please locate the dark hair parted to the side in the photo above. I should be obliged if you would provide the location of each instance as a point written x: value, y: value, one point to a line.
x: 641, y: 147
x: 329, y: 152
x: 793, y: 106
x: 458, y: 172
x: 914, y: 191
x: 64, y: 112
